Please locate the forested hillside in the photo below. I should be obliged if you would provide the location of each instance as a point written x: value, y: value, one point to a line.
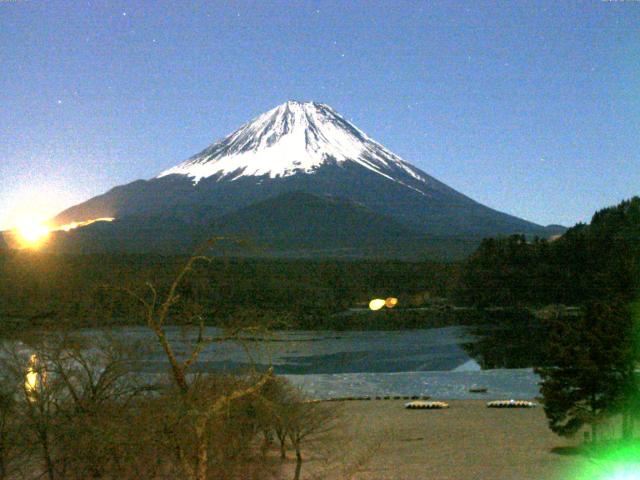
x: 598, y: 260
x: 99, y: 289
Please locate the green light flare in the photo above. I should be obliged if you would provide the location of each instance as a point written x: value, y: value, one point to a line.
x: 621, y: 462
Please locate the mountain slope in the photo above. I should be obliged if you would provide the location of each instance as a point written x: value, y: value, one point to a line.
x: 292, y: 224
x: 300, y: 147
x: 302, y: 224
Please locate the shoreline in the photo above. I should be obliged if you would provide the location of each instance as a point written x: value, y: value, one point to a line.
x: 382, y: 440
x: 445, y: 385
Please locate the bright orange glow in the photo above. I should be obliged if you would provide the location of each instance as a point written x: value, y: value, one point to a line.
x: 391, y: 302
x: 376, y: 304
x: 32, y: 234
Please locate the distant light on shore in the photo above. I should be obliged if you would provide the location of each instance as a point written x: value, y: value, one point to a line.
x: 391, y: 302
x: 376, y: 304
x: 31, y: 378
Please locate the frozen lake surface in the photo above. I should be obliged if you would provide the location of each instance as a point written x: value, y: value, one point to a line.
x: 504, y: 384
x: 356, y: 363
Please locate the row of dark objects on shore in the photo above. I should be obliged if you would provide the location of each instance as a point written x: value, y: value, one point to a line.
x: 386, y: 397
x: 392, y: 397
x: 419, y: 402
x: 422, y: 405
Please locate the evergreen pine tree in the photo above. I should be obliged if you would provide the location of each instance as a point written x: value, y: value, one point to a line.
x: 593, y: 372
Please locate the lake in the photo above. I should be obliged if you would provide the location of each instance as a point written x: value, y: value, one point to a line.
x: 354, y: 363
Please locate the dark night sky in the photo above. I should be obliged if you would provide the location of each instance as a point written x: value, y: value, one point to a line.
x: 532, y: 108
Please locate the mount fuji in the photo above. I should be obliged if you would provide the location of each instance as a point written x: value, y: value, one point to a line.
x: 294, y: 138
x: 301, y: 179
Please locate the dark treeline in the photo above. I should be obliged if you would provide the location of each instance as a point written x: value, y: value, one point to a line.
x: 521, y: 284
x: 598, y: 260
x: 588, y: 262
x: 296, y: 293
x: 587, y: 359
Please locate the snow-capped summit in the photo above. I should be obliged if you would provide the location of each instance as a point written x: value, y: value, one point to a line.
x: 295, y: 137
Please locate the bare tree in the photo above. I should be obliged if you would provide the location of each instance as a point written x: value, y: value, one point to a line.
x: 11, y: 448
x: 295, y: 418
x: 307, y: 421
x: 36, y: 402
x: 84, y: 414
x: 273, y: 405
x: 98, y: 385
x: 71, y: 397
x: 199, y: 416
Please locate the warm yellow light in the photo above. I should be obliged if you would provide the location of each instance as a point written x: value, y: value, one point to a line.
x: 31, y: 378
x: 70, y: 226
x: 376, y: 304
x: 32, y: 233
